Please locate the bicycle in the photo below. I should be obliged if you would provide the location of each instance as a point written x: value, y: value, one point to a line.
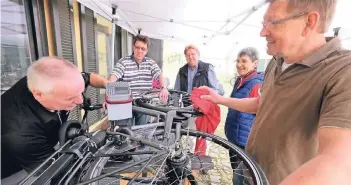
x: 155, y: 153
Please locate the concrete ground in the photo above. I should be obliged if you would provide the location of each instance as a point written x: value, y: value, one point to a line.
x: 222, y: 173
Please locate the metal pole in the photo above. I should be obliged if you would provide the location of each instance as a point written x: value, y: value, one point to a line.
x: 336, y: 31
x: 125, y: 18
x: 253, y: 9
x: 249, y: 12
x: 114, y: 21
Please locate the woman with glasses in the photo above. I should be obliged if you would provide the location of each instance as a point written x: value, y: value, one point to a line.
x: 238, y: 124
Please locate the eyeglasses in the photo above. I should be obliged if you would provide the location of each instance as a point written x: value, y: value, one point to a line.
x: 271, y: 24
x: 140, y: 48
x: 190, y: 54
x: 241, y: 61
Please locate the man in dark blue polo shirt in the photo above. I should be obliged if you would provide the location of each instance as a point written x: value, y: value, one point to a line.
x: 33, y: 110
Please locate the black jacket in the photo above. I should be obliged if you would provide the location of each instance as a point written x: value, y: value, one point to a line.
x: 29, y: 131
x: 200, y: 79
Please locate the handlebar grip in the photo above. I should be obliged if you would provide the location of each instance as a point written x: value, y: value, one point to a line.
x: 92, y: 107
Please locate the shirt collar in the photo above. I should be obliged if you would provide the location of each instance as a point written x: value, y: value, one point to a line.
x: 196, y: 66
x: 132, y: 58
x: 249, y: 75
x: 333, y: 44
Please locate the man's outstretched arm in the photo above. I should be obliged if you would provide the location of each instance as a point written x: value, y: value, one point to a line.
x: 97, y: 80
x: 94, y: 80
x: 249, y: 105
x: 112, y: 78
x: 117, y: 71
x: 162, y: 80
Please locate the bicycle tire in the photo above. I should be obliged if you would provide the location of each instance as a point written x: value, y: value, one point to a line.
x: 257, y: 173
x: 141, y: 102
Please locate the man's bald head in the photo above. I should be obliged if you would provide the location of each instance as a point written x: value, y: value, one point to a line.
x: 55, y: 83
x: 45, y: 72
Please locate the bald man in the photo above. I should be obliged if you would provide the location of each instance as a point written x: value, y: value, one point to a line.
x: 33, y: 110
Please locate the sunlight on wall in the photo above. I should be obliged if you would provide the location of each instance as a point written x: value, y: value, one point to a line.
x: 173, y: 58
x: 102, y: 51
x: 347, y: 44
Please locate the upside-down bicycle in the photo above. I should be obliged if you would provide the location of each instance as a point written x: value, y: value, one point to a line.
x: 154, y: 153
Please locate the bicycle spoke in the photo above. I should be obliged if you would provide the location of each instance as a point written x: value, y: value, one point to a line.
x: 116, y: 171
x: 213, y: 168
x: 161, y: 165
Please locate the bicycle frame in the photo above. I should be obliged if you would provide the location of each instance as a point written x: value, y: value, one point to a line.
x: 69, y: 158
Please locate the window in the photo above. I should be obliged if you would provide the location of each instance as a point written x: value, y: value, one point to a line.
x: 15, y: 50
x: 104, y: 36
x: 104, y: 29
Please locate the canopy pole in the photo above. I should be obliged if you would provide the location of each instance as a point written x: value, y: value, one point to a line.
x: 336, y: 31
x: 124, y: 17
x: 114, y: 22
x: 249, y: 12
x: 253, y: 9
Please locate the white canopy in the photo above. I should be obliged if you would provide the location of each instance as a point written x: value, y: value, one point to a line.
x: 217, y: 27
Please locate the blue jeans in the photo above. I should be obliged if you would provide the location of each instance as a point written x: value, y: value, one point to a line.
x: 140, y: 118
x: 239, y: 177
x: 237, y: 167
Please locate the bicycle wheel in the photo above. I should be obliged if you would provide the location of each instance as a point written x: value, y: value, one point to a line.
x: 211, y: 167
x: 177, y: 100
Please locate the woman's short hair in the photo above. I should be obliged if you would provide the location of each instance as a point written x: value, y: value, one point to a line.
x: 251, y: 52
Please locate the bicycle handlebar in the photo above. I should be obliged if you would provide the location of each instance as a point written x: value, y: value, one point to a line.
x: 177, y: 100
x: 66, y: 157
x: 92, y: 107
x: 88, y: 105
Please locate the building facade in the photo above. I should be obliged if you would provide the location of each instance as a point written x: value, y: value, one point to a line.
x: 31, y: 29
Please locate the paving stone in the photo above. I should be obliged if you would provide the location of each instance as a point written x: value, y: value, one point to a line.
x: 223, y: 175
x: 215, y: 179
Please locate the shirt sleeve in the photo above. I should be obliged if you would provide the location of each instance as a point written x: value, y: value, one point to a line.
x: 118, y: 70
x: 336, y: 103
x: 155, y: 70
x: 255, y: 91
x: 86, y: 77
x: 214, y: 82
